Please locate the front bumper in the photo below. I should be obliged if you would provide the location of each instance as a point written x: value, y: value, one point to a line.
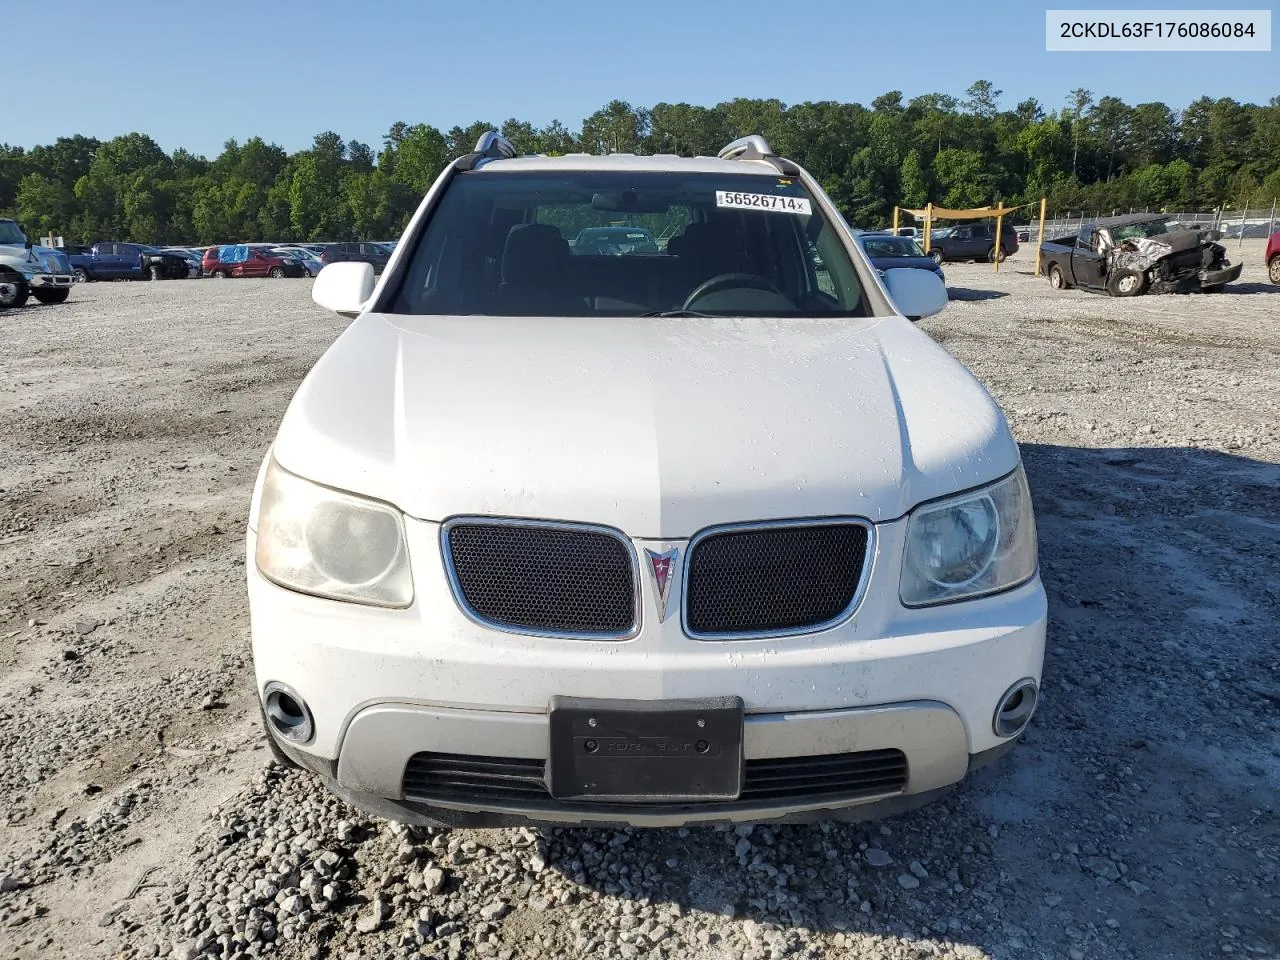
x: 383, y: 685
x: 46, y: 281
x: 1215, y: 278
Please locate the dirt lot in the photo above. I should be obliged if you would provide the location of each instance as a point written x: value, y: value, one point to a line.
x: 1139, y: 819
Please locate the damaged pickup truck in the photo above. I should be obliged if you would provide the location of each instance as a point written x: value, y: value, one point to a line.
x: 1138, y: 253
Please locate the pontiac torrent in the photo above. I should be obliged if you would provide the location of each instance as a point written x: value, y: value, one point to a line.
x: 704, y: 530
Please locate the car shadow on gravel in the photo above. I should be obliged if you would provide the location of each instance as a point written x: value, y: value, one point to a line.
x: 1248, y: 288
x: 969, y: 294
x: 1138, y: 818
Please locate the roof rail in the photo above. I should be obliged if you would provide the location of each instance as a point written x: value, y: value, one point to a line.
x: 756, y: 147
x: 490, y: 146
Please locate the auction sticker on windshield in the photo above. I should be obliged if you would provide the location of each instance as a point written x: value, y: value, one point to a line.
x: 762, y: 201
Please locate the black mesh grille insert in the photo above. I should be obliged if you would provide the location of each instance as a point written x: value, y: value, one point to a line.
x: 791, y: 780
x: 549, y: 579
x: 773, y: 579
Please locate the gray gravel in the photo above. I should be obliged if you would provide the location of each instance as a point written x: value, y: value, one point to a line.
x: 144, y: 818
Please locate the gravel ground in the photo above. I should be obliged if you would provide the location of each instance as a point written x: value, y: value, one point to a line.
x: 1139, y: 819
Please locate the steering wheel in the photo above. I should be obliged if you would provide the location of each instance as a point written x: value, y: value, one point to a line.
x: 728, y: 281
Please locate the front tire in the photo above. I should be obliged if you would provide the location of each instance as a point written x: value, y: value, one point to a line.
x: 995, y: 255
x: 155, y: 272
x: 936, y: 256
x: 52, y: 296
x: 276, y: 273
x: 1273, y: 269
x: 1056, y: 278
x: 1127, y: 283
x: 219, y: 274
x: 81, y: 275
x: 13, y: 293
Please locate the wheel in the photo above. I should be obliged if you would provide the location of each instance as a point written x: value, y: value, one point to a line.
x: 13, y: 292
x: 1056, y: 279
x: 995, y: 254
x: 1127, y: 283
x: 81, y: 275
x: 155, y: 272
x: 219, y: 274
x: 276, y: 273
x: 936, y: 256
x: 1273, y: 269
x: 52, y: 296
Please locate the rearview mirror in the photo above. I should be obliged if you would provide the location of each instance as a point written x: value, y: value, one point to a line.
x: 343, y: 288
x: 915, y: 293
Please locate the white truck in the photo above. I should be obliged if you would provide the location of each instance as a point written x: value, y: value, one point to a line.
x: 27, y: 270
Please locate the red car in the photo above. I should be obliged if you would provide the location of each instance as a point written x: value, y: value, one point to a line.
x: 1273, y: 258
x: 240, y: 260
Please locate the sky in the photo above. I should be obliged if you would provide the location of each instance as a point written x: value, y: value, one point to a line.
x: 202, y: 73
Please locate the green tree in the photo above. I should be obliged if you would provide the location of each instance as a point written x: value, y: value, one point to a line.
x: 616, y: 128
x: 44, y: 206
x: 915, y: 187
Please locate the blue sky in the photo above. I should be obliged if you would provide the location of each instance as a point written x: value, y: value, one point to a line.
x: 194, y: 74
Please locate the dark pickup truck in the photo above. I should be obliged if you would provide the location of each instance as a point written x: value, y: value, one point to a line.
x: 127, y: 261
x: 1138, y: 253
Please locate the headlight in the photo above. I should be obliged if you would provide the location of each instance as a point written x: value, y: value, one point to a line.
x: 973, y: 544
x: 331, y: 544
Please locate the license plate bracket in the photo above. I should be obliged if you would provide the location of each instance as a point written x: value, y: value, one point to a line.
x: 645, y: 751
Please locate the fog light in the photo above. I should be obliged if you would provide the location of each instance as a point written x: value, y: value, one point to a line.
x: 1014, y: 710
x: 287, y: 713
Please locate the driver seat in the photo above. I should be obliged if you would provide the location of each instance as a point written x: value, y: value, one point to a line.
x: 708, y: 250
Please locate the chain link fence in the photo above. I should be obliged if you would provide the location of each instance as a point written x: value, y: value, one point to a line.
x: 1249, y: 223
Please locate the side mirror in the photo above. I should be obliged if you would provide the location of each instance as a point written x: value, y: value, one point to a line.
x: 343, y: 288
x: 915, y: 293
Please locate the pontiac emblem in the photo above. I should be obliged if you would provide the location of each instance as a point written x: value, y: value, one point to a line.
x: 662, y: 566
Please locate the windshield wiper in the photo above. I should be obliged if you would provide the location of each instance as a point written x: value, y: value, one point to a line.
x: 675, y: 313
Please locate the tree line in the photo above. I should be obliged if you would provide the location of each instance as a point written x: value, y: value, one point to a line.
x: 1094, y: 154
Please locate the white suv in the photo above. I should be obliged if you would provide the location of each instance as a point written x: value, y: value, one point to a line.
x: 706, y: 532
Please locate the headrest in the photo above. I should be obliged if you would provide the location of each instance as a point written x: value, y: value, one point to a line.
x: 531, y: 251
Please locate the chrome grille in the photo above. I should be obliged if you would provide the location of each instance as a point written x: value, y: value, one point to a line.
x: 774, y: 579
x: 551, y: 579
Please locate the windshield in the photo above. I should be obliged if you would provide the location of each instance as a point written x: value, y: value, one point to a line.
x: 10, y: 232
x: 1139, y: 230
x: 891, y: 247
x: 590, y: 243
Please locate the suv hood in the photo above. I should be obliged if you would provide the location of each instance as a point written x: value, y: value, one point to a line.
x: 656, y: 426
x: 16, y: 251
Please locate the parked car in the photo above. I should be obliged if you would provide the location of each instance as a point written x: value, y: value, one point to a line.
x: 113, y: 260
x: 1245, y: 231
x: 365, y: 251
x: 194, y: 259
x: 888, y: 252
x: 310, y: 262
x: 613, y: 241
x: 972, y: 241
x: 30, y: 271
x: 1137, y: 253
x: 241, y: 260
x: 639, y: 539
x: 1273, y: 258
x: 914, y: 233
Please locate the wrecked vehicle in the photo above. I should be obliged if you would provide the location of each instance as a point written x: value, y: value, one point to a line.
x: 1138, y: 253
